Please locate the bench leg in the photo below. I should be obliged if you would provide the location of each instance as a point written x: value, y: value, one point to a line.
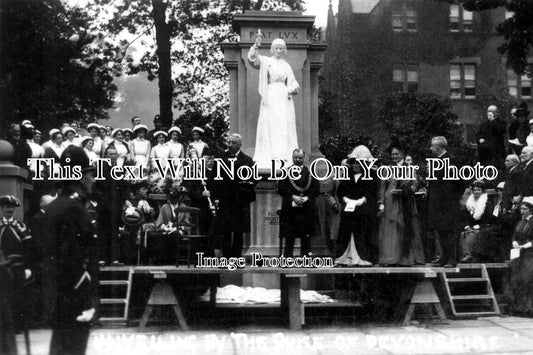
x: 408, y: 314
x: 290, y: 301
x: 181, y: 318
x: 145, y: 317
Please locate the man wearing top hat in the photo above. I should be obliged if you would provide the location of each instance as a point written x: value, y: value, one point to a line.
x: 69, y: 264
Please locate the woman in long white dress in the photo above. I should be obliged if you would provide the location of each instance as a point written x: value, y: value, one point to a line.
x: 123, y: 149
x: 276, y: 136
x: 140, y: 147
x: 160, y: 151
x: 176, y: 148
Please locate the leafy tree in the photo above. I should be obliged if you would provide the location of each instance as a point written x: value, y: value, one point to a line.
x: 187, y: 57
x: 413, y: 119
x: 517, y: 30
x: 49, y: 72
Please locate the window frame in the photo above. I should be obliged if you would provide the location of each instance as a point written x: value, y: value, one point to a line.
x: 404, y: 17
x: 461, y: 21
x: 405, y: 69
x: 519, y: 85
x: 463, y: 81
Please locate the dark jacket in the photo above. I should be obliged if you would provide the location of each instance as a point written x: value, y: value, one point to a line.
x: 443, y: 201
x: 298, y: 222
x: 493, y: 133
x: 22, y: 152
x: 511, y: 187
x: 69, y: 261
x: 234, y: 196
x: 526, y: 180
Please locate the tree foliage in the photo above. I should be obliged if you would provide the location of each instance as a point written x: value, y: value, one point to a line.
x: 196, y: 29
x: 517, y: 30
x: 413, y: 119
x: 49, y: 70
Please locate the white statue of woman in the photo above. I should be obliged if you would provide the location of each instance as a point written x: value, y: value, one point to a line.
x: 276, y: 136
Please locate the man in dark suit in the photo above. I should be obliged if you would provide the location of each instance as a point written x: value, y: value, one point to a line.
x: 70, y: 270
x: 526, y: 180
x: 443, y: 206
x: 234, y: 197
x: 512, y: 181
x: 298, y: 210
x: 490, y: 138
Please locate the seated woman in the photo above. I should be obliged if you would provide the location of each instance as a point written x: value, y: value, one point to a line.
x: 168, y: 221
x: 477, y: 241
x: 132, y: 232
x: 522, y: 267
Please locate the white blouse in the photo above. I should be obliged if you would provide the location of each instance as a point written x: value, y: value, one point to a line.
x: 176, y: 150
x: 199, y: 146
x: 162, y: 152
x: 140, y: 150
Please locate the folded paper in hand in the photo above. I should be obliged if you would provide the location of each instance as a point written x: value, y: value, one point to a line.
x: 515, y: 253
x: 350, y: 205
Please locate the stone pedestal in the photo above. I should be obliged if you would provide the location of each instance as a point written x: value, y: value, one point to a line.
x: 11, y: 177
x: 305, y: 59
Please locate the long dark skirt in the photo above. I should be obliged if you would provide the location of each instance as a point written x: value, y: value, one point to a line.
x: 480, y: 243
x: 522, y: 284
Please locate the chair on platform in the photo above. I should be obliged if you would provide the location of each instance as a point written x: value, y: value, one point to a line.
x: 192, y: 237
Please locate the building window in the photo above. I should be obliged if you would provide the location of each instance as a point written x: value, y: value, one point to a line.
x: 405, y: 78
x: 462, y: 81
x: 461, y: 19
x: 404, y: 17
x: 519, y: 87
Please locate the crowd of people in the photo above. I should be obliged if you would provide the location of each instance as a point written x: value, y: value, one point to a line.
x: 72, y: 226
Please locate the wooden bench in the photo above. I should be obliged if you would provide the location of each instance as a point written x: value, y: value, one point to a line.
x: 290, y: 283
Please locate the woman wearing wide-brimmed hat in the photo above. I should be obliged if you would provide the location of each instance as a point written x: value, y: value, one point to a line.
x: 198, y: 144
x: 400, y: 242
x: 140, y: 146
x: 161, y: 151
x: 476, y: 241
x: 69, y: 134
x: 176, y: 148
x: 56, y: 147
x: 123, y: 149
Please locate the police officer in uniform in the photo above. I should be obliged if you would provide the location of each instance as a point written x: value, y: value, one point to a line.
x: 14, y: 240
x: 70, y: 268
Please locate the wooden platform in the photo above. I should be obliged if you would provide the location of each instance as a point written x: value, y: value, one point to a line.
x: 290, y: 284
x: 420, y: 270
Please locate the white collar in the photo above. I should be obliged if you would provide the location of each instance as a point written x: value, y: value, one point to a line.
x: 476, y: 207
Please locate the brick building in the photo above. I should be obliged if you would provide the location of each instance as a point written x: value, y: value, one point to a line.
x: 376, y: 47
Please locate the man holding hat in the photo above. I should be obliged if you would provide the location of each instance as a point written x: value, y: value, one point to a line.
x: 69, y: 265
